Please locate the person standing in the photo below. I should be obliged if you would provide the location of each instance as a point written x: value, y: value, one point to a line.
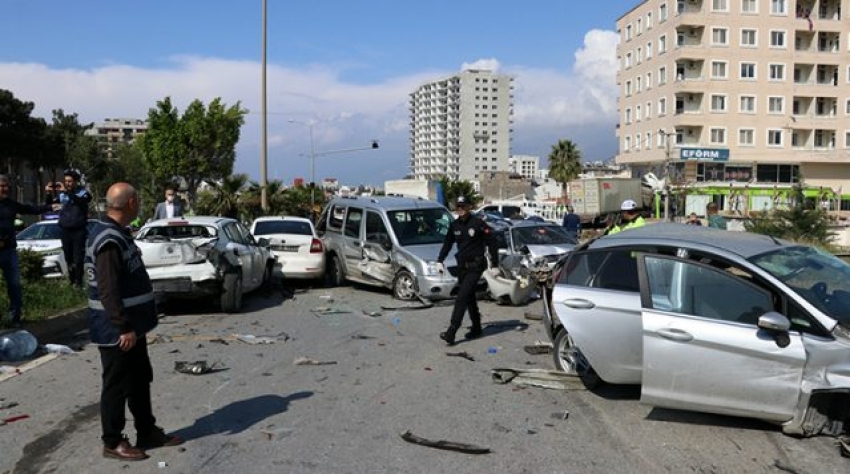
x: 693, y: 219
x: 630, y: 218
x: 171, y: 207
x: 73, y: 219
x: 714, y: 219
x: 472, y: 237
x: 121, y: 312
x: 9, y: 209
x: 572, y: 223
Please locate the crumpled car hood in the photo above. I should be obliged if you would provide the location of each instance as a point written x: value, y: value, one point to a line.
x: 537, y: 251
x: 429, y: 253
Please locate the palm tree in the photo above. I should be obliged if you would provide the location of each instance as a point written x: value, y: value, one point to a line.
x: 225, y: 198
x: 564, y: 164
x: 453, y: 189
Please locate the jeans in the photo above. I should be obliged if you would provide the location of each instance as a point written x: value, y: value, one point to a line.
x: 12, y: 275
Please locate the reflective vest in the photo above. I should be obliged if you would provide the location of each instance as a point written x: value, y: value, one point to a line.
x: 637, y: 222
x: 134, y: 283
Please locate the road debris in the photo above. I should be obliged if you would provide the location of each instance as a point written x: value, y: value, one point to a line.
x: 197, y: 368
x: 274, y: 434
x: 561, y: 416
x: 7, y: 405
x: 58, y: 349
x: 252, y: 339
x: 778, y: 464
x: 538, y: 378
x: 463, y: 354
x: 533, y: 316
x: 13, y: 419
x: 844, y: 446
x: 424, y: 304
x: 539, y: 347
x: 362, y: 337
x: 373, y: 314
x: 519, y: 326
x: 329, y: 310
x: 309, y: 361
x: 442, y: 444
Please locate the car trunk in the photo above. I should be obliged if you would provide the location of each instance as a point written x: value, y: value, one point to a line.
x: 290, y: 243
x: 174, y: 252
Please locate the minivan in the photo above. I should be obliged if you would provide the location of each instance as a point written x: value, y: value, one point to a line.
x: 388, y: 241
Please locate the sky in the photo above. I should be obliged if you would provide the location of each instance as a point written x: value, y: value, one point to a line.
x: 345, y: 66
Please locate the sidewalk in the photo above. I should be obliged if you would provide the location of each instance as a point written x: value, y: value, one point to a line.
x: 60, y: 326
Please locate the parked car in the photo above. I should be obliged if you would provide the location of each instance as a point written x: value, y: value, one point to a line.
x: 524, y: 245
x: 203, y: 256
x: 388, y: 241
x: 295, y: 244
x: 707, y: 320
x: 45, y: 237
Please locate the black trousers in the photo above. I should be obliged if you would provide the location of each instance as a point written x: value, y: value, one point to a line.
x: 74, y: 248
x: 465, y: 301
x: 127, y: 378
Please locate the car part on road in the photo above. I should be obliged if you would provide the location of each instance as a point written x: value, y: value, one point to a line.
x: 463, y: 354
x: 309, y: 361
x: 442, y: 444
x: 197, y: 368
x: 538, y: 378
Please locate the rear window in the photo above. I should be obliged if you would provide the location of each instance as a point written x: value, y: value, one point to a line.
x: 282, y: 227
x: 610, y: 270
x: 179, y: 232
x: 40, y: 232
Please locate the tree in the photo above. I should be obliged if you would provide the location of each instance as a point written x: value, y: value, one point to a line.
x: 453, y: 189
x: 224, y: 198
x: 20, y: 134
x: 564, y: 164
x: 275, y: 190
x: 197, y: 146
x: 799, y: 223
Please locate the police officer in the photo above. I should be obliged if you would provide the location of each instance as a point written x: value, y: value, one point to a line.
x: 472, y: 236
x: 630, y: 218
x: 121, y: 311
x: 73, y: 219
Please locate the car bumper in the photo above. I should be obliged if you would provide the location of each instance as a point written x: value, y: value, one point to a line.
x: 187, y: 280
x: 437, y: 287
x: 295, y: 266
x: 517, y: 291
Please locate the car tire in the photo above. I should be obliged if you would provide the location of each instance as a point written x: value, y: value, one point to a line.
x: 231, y: 294
x: 404, y: 286
x: 268, y: 274
x: 334, y: 274
x: 569, y: 359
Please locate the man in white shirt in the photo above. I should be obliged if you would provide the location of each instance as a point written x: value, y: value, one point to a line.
x: 170, y: 208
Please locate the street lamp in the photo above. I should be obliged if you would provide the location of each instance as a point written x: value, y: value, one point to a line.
x: 264, y: 201
x: 667, y: 178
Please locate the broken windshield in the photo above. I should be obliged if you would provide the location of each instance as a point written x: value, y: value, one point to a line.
x: 420, y: 226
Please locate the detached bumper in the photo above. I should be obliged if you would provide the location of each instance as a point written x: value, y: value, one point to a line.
x: 185, y: 280
x: 437, y: 287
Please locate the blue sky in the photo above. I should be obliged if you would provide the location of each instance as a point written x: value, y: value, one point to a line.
x: 345, y: 65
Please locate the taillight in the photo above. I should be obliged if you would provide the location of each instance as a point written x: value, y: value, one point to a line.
x: 316, y: 246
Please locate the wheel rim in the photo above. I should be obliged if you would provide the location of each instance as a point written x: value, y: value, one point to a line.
x: 571, y: 359
x: 237, y: 288
x: 404, y: 287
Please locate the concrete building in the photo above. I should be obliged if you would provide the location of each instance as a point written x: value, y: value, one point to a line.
x: 525, y: 165
x: 113, y: 131
x: 737, y: 92
x: 460, y: 126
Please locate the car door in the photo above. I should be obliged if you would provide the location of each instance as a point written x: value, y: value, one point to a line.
x: 702, y: 348
x: 597, y: 300
x: 239, y: 246
x: 376, y: 264
x: 257, y: 255
x: 352, y: 241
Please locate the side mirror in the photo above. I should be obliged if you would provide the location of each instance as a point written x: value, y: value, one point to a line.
x: 264, y: 242
x: 386, y: 243
x: 773, y: 321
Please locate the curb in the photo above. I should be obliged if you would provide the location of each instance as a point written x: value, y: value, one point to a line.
x: 59, y: 327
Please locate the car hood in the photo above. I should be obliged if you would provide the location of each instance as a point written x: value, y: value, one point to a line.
x: 429, y: 253
x: 537, y: 251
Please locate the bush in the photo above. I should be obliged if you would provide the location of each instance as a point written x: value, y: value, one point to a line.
x: 799, y: 223
x: 31, y: 265
x: 44, y: 298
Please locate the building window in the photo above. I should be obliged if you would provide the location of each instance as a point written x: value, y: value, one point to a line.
x: 718, y: 103
x: 774, y: 138
x: 777, y: 72
x: 628, y: 88
x: 649, y: 80
x: 777, y: 39
x: 718, y: 70
x: 649, y: 21
x: 627, y: 143
x: 718, y: 136
x: 637, y: 141
x: 662, y: 44
x: 719, y: 5
x: 637, y: 114
x: 628, y: 60
x: 639, y: 26
x: 648, y: 51
x: 662, y: 76
x: 846, y: 139
x: 748, y: 70
x: 747, y: 104
x: 628, y: 118
x: 628, y: 32
x: 746, y: 137
x: 775, y: 105
x: 719, y: 36
x: 649, y: 110
x: 749, y: 38
x: 769, y: 173
x: 662, y: 13
x: 749, y: 6
x: 662, y: 106
x: 847, y: 107
x: 778, y: 7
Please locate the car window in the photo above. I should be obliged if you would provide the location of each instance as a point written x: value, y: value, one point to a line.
x: 233, y: 234
x: 246, y: 234
x: 335, y: 217
x: 511, y: 211
x: 376, y: 230
x: 40, y: 232
x: 691, y: 288
x: 282, y: 227
x: 178, y: 232
x: 617, y: 271
x: 420, y: 226
x: 352, y: 222
x: 540, y: 235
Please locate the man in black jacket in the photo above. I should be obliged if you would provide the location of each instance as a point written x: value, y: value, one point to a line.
x: 73, y: 219
x: 472, y: 237
x: 9, y: 209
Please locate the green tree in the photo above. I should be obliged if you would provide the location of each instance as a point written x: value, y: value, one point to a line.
x: 251, y: 201
x: 224, y: 198
x: 799, y: 222
x: 197, y: 146
x: 452, y: 189
x: 21, y: 135
x: 564, y: 164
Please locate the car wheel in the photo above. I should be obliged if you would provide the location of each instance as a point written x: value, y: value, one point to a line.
x: 334, y: 274
x: 267, y: 277
x: 569, y: 359
x: 404, y: 286
x: 231, y: 295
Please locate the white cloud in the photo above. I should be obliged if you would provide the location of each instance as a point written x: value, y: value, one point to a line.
x: 346, y: 115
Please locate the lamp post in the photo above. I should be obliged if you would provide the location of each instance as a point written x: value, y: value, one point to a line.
x: 264, y: 201
x: 667, y: 178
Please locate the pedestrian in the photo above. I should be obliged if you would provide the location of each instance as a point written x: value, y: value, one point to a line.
x: 714, y: 219
x: 9, y: 209
x: 73, y: 221
x: 630, y: 218
x: 121, y: 312
x: 472, y: 237
x: 169, y: 208
x: 572, y: 223
x: 693, y: 219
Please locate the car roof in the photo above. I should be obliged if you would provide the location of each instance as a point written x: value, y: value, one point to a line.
x: 743, y: 244
x: 388, y: 202
x: 526, y: 223
x: 194, y: 220
x: 282, y: 218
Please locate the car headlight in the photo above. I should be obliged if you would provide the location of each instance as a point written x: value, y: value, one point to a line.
x: 432, y: 269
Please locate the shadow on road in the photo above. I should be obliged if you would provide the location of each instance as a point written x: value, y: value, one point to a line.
x: 709, y: 419
x: 492, y: 328
x: 239, y: 416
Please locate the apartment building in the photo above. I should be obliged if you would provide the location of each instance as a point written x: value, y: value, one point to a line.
x: 113, y: 131
x: 738, y: 92
x: 460, y: 126
x: 525, y: 165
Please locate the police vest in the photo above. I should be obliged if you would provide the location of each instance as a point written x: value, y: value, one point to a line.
x: 638, y: 222
x: 134, y: 283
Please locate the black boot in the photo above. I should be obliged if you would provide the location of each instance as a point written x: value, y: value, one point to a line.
x: 448, y: 336
x: 474, y: 333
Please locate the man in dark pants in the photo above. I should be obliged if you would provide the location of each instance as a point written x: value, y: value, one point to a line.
x: 72, y: 220
x: 472, y: 236
x: 121, y: 312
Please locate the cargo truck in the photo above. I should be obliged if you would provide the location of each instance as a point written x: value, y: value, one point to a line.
x: 595, y: 198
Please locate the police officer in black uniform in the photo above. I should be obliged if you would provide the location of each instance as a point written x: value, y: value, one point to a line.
x: 73, y: 219
x: 472, y: 237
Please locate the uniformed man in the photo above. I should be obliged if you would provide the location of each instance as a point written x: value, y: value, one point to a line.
x: 73, y: 219
x: 630, y: 218
x: 472, y: 237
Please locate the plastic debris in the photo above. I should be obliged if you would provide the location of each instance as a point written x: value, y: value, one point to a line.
x: 17, y: 345
x: 196, y: 368
x: 442, y: 444
x: 538, y: 378
x: 309, y: 361
x: 58, y: 349
x: 329, y: 310
x: 7, y: 405
x: 252, y: 339
x: 463, y: 354
x: 539, y: 348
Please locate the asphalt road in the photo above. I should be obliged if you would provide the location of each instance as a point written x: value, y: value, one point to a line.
x: 263, y: 413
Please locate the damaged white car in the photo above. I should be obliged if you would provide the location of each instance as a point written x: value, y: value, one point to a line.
x: 707, y: 320
x: 204, y: 256
x: 523, y: 247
